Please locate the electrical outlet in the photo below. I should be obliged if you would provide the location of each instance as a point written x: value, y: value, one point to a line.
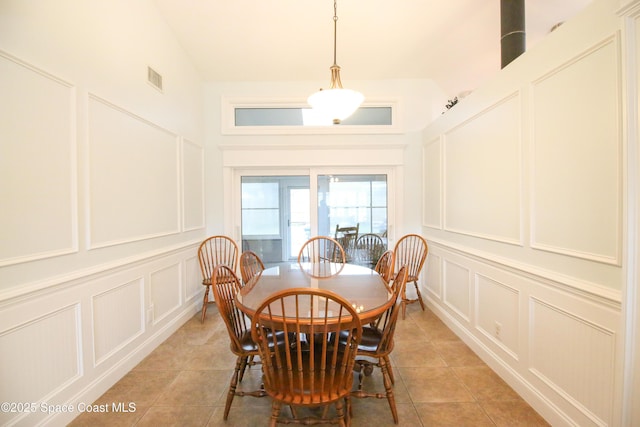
x: 498, y: 329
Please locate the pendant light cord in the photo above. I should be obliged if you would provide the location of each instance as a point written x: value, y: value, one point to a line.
x: 335, y: 30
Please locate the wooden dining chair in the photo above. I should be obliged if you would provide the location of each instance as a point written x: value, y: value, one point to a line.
x: 369, y: 247
x: 215, y: 251
x: 312, y: 369
x: 250, y: 265
x: 384, y: 266
x: 377, y: 343
x: 321, y: 251
x: 347, y: 237
x: 226, y: 286
x: 411, y: 250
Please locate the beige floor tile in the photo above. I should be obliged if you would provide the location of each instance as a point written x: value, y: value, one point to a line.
x: 375, y: 385
x: 178, y: 416
x: 167, y: 356
x: 109, y: 419
x: 485, y: 384
x: 456, y: 353
x: 246, y: 416
x: 376, y: 413
x: 420, y: 354
x: 513, y: 414
x: 195, y: 388
x: 139, y: 387
x: 453, y: 414
x: 439, y: 382
x: 434, y: 385
x: 210, y: 356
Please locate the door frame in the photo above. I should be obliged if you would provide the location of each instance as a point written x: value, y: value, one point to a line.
x: 233, y: 218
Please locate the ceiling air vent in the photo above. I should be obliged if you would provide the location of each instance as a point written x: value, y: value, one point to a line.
x: 154, y: 78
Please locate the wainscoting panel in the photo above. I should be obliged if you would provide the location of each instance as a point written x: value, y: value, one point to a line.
x: 192, y: 185
x: 433, y: 267
x: 38, y: 150
x: 166, y: 291
x: 39, y: 357
x: 574, y: 357
x: 457, y: 288
x: 118, y: 318
x: 540, y: 336
x: 193, y: 279
x: 498, y: 313
x: 133, y: 177
x: 481, y: 199
x: 569, y: 146
x: 432, y: 186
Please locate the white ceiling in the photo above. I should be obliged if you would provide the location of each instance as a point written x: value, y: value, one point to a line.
x: 454, y: 42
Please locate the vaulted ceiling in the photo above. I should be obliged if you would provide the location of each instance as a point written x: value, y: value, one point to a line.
x: 454, y: 42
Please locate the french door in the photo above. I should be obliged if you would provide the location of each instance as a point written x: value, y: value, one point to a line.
x: 279, y: 212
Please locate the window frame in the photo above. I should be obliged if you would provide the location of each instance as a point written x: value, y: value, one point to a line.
x: 230, y: 104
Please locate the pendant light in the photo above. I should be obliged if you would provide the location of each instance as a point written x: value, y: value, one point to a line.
x: 335, y: 103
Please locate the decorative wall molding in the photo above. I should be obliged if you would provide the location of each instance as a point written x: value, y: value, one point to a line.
x: 583, y: 131
x: 572, y: 285
x: 497, y: 311
x: 552, y: 343
x: 457, y: 288
x: 56, y: 284
x: 492, y: 207
x: 165, y: 288
x: 129, y: 158
x: 106, y: 325
x: 41, y: 356
x: 117, y: 318
x: 432, y: 167
x: 48, y: 173
x: 582, y: 376
x: 193, y: 182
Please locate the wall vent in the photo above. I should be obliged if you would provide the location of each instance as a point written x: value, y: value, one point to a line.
x: 154, y: 78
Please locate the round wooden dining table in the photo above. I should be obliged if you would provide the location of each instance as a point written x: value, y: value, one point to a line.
x: 362, y: 287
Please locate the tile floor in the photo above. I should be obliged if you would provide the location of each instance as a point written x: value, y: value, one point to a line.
x: 439, y: 382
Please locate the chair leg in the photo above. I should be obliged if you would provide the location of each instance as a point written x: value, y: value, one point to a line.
x: 232, y: 387
x: 419, y: 295
x: 340, y: 413
x: 275, y: 413
x: 389, y: 390
x: 388, y: 362
x: 243, y: 367
x: 406, y: 301
x: 348, y: 415
x: 205, y: 303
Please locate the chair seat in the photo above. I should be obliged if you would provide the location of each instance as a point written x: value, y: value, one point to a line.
x: 370, y: 339
x: 249, y: 346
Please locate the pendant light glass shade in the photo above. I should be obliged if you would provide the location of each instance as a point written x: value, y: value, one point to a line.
x: 335, y: 104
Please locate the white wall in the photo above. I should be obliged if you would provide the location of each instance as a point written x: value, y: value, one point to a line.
x: 102, y: 189
x: 526, y: 214
x: 419, y: 102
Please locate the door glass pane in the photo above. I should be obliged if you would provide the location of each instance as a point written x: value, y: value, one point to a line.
x: 352, y: 200
x: 275, y: 215
x: 260, y: 208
